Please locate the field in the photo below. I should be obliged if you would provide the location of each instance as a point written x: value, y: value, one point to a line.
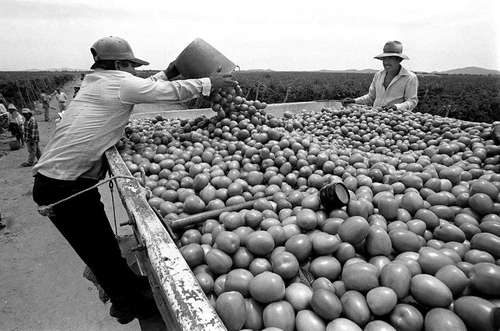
x: 23, y: 88
x: 466, y: 97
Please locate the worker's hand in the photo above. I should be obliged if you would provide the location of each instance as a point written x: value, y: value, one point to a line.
x: 390, y: 107
x: 171, y: 71
x: 347, y: 101
x: 222, y: 80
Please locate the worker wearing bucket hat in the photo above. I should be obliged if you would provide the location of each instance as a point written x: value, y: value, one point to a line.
x: 395, y: 87
x: 73, y: 161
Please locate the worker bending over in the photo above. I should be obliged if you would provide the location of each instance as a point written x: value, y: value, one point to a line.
x: 73, y: 161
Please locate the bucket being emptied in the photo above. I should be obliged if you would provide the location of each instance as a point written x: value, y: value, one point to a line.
x: 334, y: 195
x: 200, y: 59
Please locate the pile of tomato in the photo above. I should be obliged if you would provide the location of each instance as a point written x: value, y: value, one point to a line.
x: 416, y: 248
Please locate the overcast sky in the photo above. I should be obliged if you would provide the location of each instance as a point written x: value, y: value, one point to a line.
x: 279, y: 35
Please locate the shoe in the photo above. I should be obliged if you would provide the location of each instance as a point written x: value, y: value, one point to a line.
x: 126, y: 312
x: 26, y: 164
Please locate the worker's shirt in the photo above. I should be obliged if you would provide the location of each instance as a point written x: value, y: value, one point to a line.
x: 61, y: 97
x: 96, y: 118
x: 401, y: 91
x: 16, y: 118
x: 31, y: 131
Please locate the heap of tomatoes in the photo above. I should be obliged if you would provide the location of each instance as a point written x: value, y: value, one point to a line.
x: 416, y: 248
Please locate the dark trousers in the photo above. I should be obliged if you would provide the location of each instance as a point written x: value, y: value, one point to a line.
x: 83, y: 222
x: 34, y: 152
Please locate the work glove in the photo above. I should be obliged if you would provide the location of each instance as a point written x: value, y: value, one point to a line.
x: 171, y: 71
x: 347, y: 101
x: 219, y: 80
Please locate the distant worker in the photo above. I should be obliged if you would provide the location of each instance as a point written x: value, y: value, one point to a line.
x: 62, y: 99
x: 4, y: 114
x: 73, y: 161
x: 394, y: 87
x: 16, y: 124
x: 45, y: 99
x: 31, y: 137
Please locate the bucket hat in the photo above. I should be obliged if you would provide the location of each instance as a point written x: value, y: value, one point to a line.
x: 11, y: 107
x: 392, y: 48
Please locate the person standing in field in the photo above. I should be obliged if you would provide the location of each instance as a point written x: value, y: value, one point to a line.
x: 73, y: 160
x: 16, y: 124
x: 394, y: 87
x: 4, y: 114
x: 31, y: 137
x: 45, y: 105
x: 61, y: 98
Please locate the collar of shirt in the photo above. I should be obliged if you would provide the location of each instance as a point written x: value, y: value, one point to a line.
x: 402, y: 72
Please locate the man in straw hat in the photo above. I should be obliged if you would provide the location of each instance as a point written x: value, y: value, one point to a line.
x: 394, y: 87
x: 73, y: 161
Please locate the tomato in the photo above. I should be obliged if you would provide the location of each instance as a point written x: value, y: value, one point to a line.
x: 355, y: 307
x: 440, y: 319
x: 298, y: 295
x: 193, y: 254
x: 326, y: 304
x: 381, y: 300
x: 307, y: 320
x: 238, y: 280
x: 430, y: 291
x: 406, y: 317
x: 267, y: 287
x: 228, y: 242
x: 360, y: 276
x: 231, y: 308
x: 260, y: 243
x: 285, y: 264
x: 280, y: 315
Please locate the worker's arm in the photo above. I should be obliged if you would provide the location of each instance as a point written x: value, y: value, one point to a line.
x: 134, y: 90
x: 369, y: 98
x: 167, y: 74
x: 410, y: 95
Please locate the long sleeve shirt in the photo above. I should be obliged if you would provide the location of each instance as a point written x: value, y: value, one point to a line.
x: 95, y: 119
x: 401, y: 91
x: 31, y: 133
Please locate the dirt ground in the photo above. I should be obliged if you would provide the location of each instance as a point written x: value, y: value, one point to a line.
x: 41, y: 283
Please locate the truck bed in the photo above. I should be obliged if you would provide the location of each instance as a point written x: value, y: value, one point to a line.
x: 180, y: 299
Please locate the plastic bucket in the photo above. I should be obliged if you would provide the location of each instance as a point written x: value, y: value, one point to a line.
x: 200, y: 59
x: 334, y: 195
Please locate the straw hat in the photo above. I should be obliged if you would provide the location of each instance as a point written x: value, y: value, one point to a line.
x: 392, y: 48
x: 26, y: 111
x: 11, y: 107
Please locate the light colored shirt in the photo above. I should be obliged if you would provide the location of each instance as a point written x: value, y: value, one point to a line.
x: 17, y: 118
x: 96, y: 118
x: 61, y: 97
x: 401, y: 91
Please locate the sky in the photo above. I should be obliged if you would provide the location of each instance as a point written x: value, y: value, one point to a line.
x: 257, y: 34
